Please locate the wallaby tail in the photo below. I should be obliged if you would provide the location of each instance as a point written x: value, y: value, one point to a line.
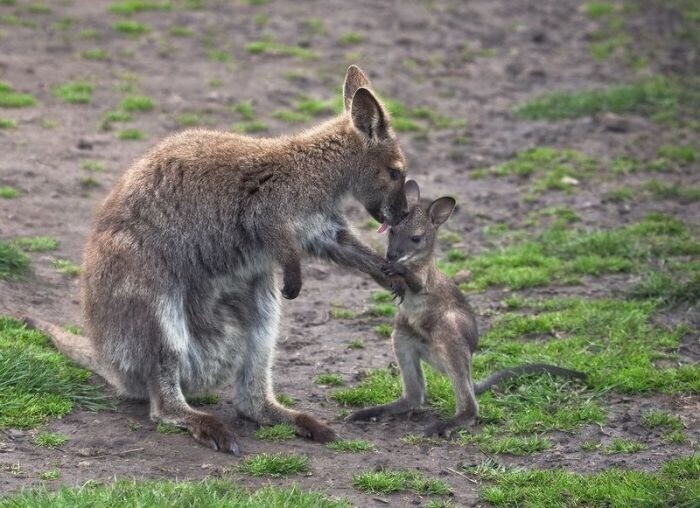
x: 76, y: 347
x: 530, y: 368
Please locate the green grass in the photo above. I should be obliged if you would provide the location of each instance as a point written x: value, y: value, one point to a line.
x: 657, y: 98
x: 131, y: 28
x: 488, y: 442
x: 131, y: 135
x: 619, y: 445
x: 351, y: 446
x: 76, y: 92
x: 668, y: 289
x: 7, y: 192
x: 129, y: 7
x: 13, y: 262
x: 165, y: 494
x: 657, y: 418
x: 50, y: 439
x: 95, y: 54
x: 388, y: 482
x: 245, y: 109
x: 342, y: 313
x: 180, y: 31
x: 93, y: 166
x: 680, y: 193
x: 204, y: 400
x: 289, y: 116
x: 678, y: 153
x: 254, y: 126
x: 285, y: 400
x: 219, y: 55
x: 383, y: 309
x: 277, y: 432
x: 597, y: 10
x: 136, y: 103
x: 329, y: 380
x: 351, y: 38
x: 36, y: 243
x: 7, y: 123
x: 38, y: 8
x: 66, y: 267
x: 275, y: 465
x: 38, y: 383
x: 189, y: 119
x: 549, y: 168
x: 168, y: 428
x: 562, y: 255
x: 11, y: 99
x: 356, y: 344
x: 676, y: 484
x: 277, y: 49
x: 49, y: 475
x: 384, y: 329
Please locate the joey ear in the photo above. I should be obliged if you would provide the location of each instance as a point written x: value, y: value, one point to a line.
x: 354, y: 79
x: 412, y: 192
x: 441, y: 209
x: 367, y: 114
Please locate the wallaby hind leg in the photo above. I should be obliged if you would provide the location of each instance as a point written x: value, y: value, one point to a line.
x: 458, y: 370
x: 254, y: 397
x: 408, y: 356
x: 168, y: 405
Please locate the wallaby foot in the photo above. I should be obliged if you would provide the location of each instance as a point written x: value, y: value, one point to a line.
x: 205, y: 428
x: 292, y: 280
x: 308, y: 426
x: 394, y: 408
x: 444, y: 428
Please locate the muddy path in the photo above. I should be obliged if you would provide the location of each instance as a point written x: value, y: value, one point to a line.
x: 470, y: 61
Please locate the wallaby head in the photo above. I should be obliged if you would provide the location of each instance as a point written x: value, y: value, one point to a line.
x: 382, y: 166
x: 412, y: 241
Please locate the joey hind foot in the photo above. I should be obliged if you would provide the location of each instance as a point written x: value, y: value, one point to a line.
x: 310, y: 427
x: 445, y: 428
x: 292, y: 282
x: 211, y: 432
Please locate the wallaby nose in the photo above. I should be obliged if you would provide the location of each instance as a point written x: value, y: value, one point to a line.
x: 392, y: 256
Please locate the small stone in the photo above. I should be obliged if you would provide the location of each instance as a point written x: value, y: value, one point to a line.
x: 462, y: 276
x: 568, y: 180
x: 84, y: 144
x: 614, y: 123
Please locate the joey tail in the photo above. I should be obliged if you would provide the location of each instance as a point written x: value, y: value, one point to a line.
x: 530, y: 368
x: 76, y: 347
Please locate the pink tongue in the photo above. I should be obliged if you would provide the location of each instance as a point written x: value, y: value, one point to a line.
x: 382, y: 228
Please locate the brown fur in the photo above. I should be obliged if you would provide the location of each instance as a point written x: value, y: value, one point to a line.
x: 179, y: 290
x: 434, y: 323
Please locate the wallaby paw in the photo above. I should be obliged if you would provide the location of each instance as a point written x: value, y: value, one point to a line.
x: 211, y: 432
x: 363, y: 415
x: 308, y: 426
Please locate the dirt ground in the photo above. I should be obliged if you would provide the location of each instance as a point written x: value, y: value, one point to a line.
x: 413, y: 51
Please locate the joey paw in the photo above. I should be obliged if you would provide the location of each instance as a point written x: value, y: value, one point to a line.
x: 211, y: 432
x: 291, y: 290
x: 393, y: 269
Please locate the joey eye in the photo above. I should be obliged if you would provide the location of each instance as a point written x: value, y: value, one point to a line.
x: 416, y: 239
x: 394, y: 174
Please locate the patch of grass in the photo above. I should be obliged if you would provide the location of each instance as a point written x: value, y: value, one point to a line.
x: 131, y: 28
x: 342, y: 313
x: 180, y: 31
x: 383, y: 309
x: 681, y: 193
x: 219, y: 55
x: 356, y: 344
x: 621, y: 194
x: 7, y: 192
x: 488, y: 442
x: 37, y: 382
x: 388, y: 482
x: 246, y: 109
x: 658, y: 98
x: 350, y: 38
x: 563, y: 254
x: 596, y: 10
x: 75, y: 330
x: 128, y: 7
x: 381, y: 297
x: 384, y: 329
x: 669, y: 289
x: 131, y: 135
x: 93, y: 166
x: 117, y: 116
x: 76, y: 92
x: 675, y: 485
x: 95, y: 54
x: 275, y: 464
x: 7, y: 123
x: 278, y: 432
x: 351, y: 446
x: 329, y: 380
x: 189, y: 119
x: 11, y: 99
x: 285, y: 400
x: 619, y: 445
x: 204, y: 400
x: 289, y: 116
x: 38, y: 8
x: 89, y: 182
x: 168, y: 428
x: 657, y: 418
x: 251, y: 127
x: 13, y: 262
x: 66, y: 267
x: 136, y: 103
x: 675, y: 437
x: 164, y: 494
x: 50, y: 439
x: 268, y: 47
x: 36, y: 243
x: 678, y: 154
x: 314, y: 26
x: 51, y: 474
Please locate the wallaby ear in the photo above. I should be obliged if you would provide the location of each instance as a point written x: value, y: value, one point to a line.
x: 441, y: 209
x: 412, y: 192
x: 354, y: 79
x: 367, y: 114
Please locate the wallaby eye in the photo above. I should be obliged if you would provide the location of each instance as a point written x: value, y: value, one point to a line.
x: 394, y: 174
x: 416, y: 239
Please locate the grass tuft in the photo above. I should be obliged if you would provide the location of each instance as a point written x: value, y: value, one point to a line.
x: 351, y: 446
x: 277, y: 432
x: 50, y: 439
x: 7, y: 192
x: 13, y: 262
x: 11, y: 99
x: 329, y: 380
x: 136, y: 103
x: 388, y: 482
x: 76, y: 92
x: 36, y: 243
x: 131, y: 28
x: 275, y: 464
x: 277, y: 49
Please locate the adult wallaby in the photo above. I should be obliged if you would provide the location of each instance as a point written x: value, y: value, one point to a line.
x: 179, y: 290
x: 434, y: 322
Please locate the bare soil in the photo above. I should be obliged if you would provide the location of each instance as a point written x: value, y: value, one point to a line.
x: 413, y: 51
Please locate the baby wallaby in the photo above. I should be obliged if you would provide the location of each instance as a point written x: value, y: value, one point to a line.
x: 434, y: 322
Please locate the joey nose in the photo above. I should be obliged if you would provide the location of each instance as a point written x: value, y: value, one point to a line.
x: 392, y: 256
